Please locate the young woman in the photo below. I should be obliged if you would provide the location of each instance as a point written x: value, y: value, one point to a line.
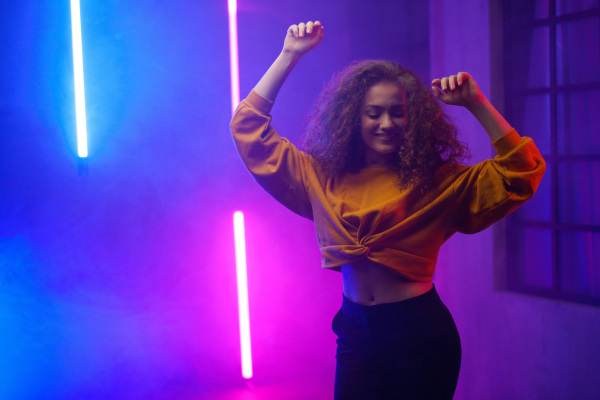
x: 381, y: 179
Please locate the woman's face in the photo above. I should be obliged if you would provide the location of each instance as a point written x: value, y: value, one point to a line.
x: 383, y: 122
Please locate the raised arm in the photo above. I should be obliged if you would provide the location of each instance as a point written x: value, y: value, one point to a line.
x: 299, y: 40
x: 462, y: 90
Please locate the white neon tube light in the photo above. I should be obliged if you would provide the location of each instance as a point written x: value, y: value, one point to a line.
x: 242, y: 286
x: 82, y: 149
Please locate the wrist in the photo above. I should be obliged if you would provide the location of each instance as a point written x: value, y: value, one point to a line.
x: 478, y: 105
x: 289, y: 56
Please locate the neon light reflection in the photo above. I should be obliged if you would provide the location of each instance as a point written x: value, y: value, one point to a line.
x: 242, y: 285
x: 82, y: 149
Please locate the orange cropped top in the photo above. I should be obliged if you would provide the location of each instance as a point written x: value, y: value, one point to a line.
x: 365, y: 214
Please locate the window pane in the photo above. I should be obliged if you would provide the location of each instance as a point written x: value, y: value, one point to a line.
x: 539, y: 207
x: 518, y: 11
x: 580, y: 262
x: 579, y: 193
x: 578, y: 122
x: 530, y: 54
x: 569, y: 6
x: 533, y: 266
x: 577, y: 51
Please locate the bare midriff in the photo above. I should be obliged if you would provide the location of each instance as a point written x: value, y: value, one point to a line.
x: 369, y: 283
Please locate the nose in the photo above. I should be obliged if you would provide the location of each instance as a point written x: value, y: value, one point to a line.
x: 386, y: 121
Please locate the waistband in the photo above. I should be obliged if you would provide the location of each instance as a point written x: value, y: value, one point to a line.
x: 429, y: 298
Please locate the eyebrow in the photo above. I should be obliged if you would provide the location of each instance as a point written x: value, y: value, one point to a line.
x: 402, y: 106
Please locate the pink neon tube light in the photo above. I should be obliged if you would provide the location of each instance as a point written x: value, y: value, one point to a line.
x: 233, y: 55
x: 238, y: 217
x: 242, y: 285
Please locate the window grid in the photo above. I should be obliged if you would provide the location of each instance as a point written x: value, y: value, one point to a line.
x: 519, y: 27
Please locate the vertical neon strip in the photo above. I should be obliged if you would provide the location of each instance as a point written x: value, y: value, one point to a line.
x: 238, y: 217
x: 242, y: 285
x: 82, y: 150
x: 233, y: 54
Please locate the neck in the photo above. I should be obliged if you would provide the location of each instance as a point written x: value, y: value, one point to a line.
x: 380, y: 159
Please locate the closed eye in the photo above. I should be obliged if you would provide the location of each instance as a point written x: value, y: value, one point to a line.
x: 399, y: 111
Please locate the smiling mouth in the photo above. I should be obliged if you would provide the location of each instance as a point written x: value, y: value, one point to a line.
x: 385, y: 136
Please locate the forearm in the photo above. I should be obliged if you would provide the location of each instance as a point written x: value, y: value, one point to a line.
x: 492, y: 121
x: 272, y: 81
x: 299, y: 40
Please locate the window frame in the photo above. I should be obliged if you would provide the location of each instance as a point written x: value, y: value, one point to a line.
x: 510, y: 275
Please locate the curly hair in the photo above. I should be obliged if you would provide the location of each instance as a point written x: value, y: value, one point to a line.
x: 333, y: 136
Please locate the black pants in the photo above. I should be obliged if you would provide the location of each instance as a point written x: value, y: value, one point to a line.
x: 405, y: 350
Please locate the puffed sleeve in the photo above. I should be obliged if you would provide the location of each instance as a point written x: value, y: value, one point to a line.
x: 490, y: 190
x: 275, y: 163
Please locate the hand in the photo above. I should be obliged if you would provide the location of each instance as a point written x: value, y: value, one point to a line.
x: 462, y: 90
x: 302, y: 38
x: 458, y: 90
